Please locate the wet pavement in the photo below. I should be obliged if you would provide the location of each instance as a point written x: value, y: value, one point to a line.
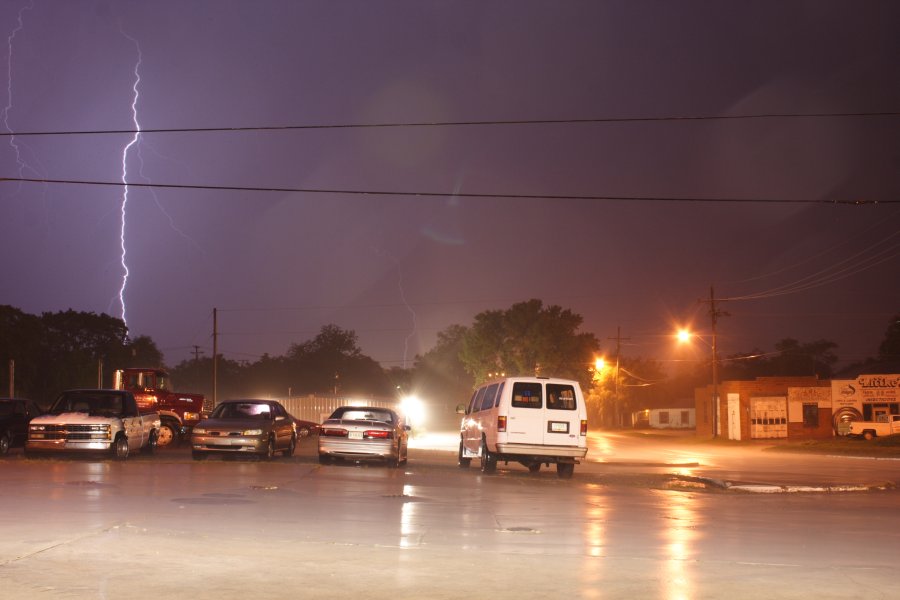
x: 165, y: 526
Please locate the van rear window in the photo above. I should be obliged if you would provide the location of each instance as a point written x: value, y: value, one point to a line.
x: 560, y: 397
x: 526, y: 395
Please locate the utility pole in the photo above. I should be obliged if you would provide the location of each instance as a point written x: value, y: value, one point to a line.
x: 215, y: 352
x: 99, y: 373
x: 714, y: 314
x: 12, y: 378
x: 618, y: 338
x: 197, y: 352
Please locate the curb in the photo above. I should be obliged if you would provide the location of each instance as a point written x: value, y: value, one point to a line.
x: 762, y: 488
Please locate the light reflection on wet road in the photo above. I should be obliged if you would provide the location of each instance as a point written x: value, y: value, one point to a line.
x: 165, y: 526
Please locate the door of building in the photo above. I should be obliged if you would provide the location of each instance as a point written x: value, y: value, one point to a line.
x: 768, y: 417
x: 734, y: 416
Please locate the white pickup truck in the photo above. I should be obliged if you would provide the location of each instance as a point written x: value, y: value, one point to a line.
x: 105, y: 421
x: 885, y: 425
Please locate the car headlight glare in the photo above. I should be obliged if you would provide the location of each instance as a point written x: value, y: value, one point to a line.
x: 199, y: 430
x: 252, y: 432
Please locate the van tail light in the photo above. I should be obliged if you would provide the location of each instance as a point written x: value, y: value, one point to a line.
x: 584, y: 427
x: 501, y: 423
x: 378, y: 434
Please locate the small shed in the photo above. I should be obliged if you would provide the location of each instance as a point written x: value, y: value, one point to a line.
x: 665, y: 418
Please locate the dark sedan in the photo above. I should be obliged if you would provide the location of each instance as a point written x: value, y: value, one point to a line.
x: 248, y: 426
x: 15, y: 414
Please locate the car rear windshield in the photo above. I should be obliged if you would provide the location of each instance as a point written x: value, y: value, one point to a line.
x: 526, y: 395
x: 363, y: 414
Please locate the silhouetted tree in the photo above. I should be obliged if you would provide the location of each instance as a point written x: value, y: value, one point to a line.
x: 529, y: 339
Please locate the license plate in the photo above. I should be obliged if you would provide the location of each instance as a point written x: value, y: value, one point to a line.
x: 355, y: 435
x: 559, y: 427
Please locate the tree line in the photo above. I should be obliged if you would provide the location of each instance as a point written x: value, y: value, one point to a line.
x: 56, y: 351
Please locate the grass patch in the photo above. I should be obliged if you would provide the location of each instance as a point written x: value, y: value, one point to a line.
x: 880, y: 447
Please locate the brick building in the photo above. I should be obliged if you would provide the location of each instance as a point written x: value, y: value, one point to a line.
x: 795, y: 407
x: 767, y: 407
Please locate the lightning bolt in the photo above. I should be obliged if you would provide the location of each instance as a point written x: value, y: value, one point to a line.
x: 415, y: 323
x: 134, y: 140
x: 159, y: 205
x: 20, y: 25
x: 412, y: 312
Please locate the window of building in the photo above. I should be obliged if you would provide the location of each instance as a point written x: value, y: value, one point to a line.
x: 810, y: 415
x: 663, y: 417
x: 685, y: 417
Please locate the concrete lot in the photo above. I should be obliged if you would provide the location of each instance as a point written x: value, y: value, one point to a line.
x: 166, y: 526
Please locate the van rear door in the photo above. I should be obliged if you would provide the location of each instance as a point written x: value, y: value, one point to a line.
x: 562, y: 415
x: 525, y: 424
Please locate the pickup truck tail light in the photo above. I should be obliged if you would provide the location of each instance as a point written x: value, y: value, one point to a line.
x: 333, y: 432
x: 378, y: 434
x: 501, y: 423
x: 584, y: 427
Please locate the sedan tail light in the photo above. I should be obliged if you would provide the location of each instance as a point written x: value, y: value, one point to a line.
x: 501, y: 423
x: 333, y: 432
x: 584, y: 427
x: 378, y: 434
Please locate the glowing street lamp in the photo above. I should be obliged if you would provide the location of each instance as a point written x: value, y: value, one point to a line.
x: 684, y: 336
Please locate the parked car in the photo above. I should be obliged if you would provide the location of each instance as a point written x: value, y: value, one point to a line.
x: 357, y: 433
x: 15, y: 414
x: 306, y: 428
x: 246, y: 426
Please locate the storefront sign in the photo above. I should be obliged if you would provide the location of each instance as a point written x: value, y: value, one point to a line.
x: 865, y: 388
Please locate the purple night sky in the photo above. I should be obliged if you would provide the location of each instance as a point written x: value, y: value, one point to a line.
x: 398, y: 269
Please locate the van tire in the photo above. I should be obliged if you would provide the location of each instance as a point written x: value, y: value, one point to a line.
x: 463, y: 461
x: 565, y: 470
x: 869, y: 434
x: 534, y: 467
x: 488, y: 460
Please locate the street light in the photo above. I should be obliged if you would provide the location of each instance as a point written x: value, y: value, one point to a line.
x: 684, y: 336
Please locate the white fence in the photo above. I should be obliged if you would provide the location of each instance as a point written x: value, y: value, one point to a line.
x: 318, y: 408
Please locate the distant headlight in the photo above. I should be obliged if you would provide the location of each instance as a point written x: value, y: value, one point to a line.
x: 199, y: 430
x: 36, y: 427
x: 252, y: 432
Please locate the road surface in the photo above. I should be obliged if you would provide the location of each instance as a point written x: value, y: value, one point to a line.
x: 168, y: 527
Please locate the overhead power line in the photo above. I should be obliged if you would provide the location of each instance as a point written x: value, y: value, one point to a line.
x: 863, y: 260
x: 432, y: 194
x: 412, y: 124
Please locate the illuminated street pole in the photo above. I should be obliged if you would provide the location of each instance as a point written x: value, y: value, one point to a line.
x: 684, y: 336
x: 215, y: 364
x: 619, y: 417
x: 714, y: 314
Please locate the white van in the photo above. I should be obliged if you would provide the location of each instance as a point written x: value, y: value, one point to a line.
x: 530, y: 420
